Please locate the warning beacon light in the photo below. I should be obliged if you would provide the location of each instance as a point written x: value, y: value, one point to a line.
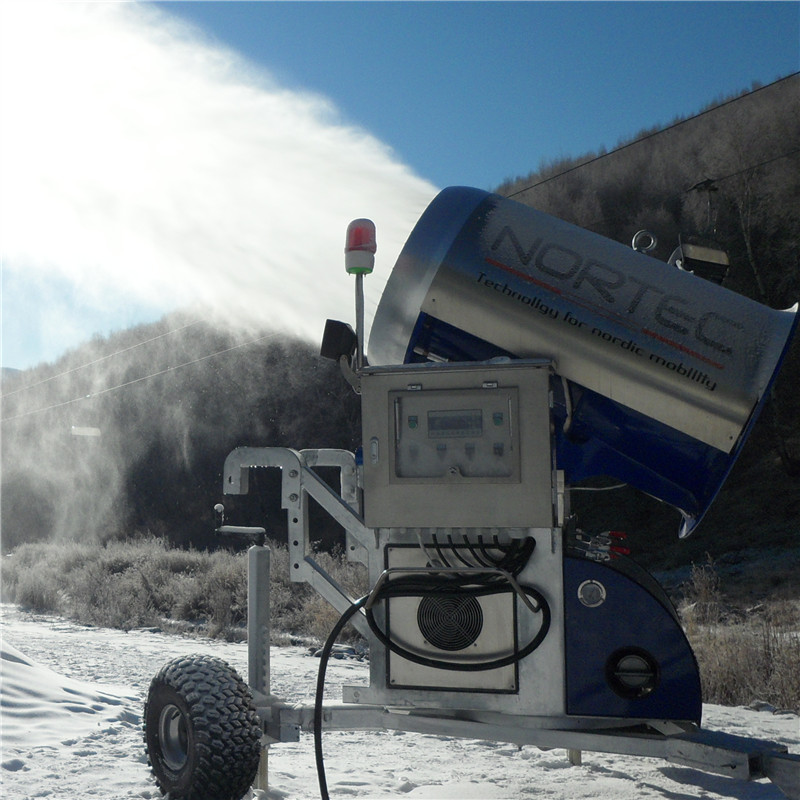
x: 360, y: 247
x: 359, y: 260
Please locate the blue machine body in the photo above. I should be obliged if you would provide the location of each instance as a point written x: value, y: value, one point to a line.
x: 595, y: 638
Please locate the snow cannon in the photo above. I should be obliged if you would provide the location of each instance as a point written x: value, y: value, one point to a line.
x: 511, y: 356
x: 659, y: 374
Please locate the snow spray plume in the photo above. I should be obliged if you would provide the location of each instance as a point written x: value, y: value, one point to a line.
x: 145, y: 168
x: 127, y: 436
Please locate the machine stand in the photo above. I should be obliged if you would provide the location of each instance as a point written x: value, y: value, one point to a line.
x: 683, y: 743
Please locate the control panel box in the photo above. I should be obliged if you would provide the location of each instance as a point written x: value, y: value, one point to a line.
x: 457, y: 445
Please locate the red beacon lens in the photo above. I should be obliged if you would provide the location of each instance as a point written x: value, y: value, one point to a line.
x: 360, y: 247
x: 361, y: 236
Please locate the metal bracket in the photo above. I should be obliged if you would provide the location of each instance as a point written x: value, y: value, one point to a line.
x: 299, y: 482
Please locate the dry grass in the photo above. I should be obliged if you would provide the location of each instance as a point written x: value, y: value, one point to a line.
x: 143, y: 583
x: 745, y: 654
x: 748, y: 662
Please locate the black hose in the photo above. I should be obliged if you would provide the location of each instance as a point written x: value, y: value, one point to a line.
x: 415, y: 587
x: 439, y: 552
x: 468, y: 544
x: 458, y: 555
x: 323, y: 666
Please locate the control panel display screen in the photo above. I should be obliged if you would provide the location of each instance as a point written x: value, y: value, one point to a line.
x: 443, y: 424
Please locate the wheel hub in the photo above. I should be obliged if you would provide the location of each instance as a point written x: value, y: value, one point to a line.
x: 174, y: 736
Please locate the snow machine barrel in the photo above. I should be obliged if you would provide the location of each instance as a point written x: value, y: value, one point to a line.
x: 660, y: 374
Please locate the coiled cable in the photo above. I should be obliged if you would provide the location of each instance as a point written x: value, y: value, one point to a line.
x: 434, y: 583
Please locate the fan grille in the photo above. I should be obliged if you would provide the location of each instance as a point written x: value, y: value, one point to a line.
x: 450, y: 622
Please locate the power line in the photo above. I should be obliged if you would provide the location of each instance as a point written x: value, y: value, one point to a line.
x: 108, y: 389
x: 754, y: 166
x: 649, y: 136
x: 513, y: 194
x: 711, y: 182
x: 98, y: 360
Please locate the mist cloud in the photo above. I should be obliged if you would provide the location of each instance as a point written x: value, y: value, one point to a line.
x: 148, y: 167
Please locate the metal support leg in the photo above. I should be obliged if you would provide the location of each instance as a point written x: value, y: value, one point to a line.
x: 258, y: 636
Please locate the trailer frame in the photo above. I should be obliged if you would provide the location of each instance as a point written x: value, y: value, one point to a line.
x: 686, y: 744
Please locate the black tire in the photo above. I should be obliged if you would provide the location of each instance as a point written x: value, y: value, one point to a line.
x: 201, y: 730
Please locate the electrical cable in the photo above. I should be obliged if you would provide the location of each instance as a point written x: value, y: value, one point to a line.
x: 323, y: 666
x: 512, y: 194
x: 494, y: 561
x: 666, y: 198
x: 468, y: 544
x: 456, y: 553
x: 514, y: 555
x: 439, y: 551
x: 435, y: 586
x: 654, y: 134
x: 102, y: 358
x: 108, y: 389
x: 465, y: 586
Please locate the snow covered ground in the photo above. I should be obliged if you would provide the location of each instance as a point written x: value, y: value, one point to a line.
x: 71, y: 730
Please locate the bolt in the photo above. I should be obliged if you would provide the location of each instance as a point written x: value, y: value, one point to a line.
x: 293, y: 497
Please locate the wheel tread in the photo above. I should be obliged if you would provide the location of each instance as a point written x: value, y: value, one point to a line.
x: 225, y: 726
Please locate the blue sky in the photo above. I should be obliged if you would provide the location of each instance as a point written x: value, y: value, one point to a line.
x: 158, y: 155
x: 475, y: 92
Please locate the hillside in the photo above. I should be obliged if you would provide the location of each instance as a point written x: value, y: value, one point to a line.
x: 127, y: 435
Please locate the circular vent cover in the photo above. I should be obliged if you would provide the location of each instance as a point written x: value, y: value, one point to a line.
x: 632, y: 673
x: 450, y: 622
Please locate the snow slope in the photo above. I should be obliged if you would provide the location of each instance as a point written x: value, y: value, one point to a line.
x: 71, y: 730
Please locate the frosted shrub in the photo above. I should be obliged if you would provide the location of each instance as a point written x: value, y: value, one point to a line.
x: 755, y: 659
x: 144, y: 583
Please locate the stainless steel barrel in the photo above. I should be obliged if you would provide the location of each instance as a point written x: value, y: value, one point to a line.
x: 481, y: 276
